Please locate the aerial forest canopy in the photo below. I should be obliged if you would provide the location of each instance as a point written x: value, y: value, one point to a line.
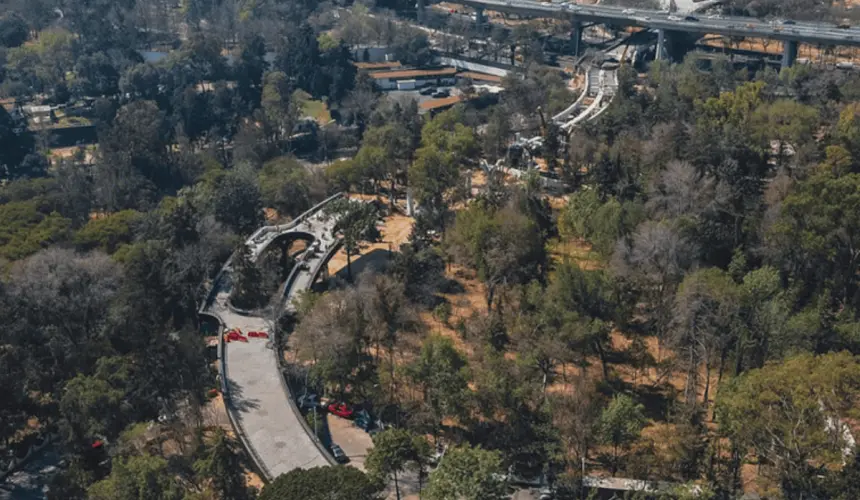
x: 685, y: 310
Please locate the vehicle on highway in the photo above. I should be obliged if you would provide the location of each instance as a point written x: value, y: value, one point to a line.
x: 844, y: 25
x: 647, y: 18
x: 427, y: 91
x: 673, y: 18
x: 628, y: 11
x: 441, y: 93
x: 692, y: 19
x: 338, y: 454
x: 787, y: 21
x: 342, y: 410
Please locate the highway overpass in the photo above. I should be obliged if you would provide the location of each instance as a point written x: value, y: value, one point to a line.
x: 791, y: 33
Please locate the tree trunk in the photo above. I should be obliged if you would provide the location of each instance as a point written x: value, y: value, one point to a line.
x: 396, y: 486
x: 707, y: 383
x: 602, y: 354
x: 349, y: 264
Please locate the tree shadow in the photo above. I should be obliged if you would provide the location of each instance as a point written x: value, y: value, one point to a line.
x: 236, y: 399
x: 657, y: 399
x: 377, y: 260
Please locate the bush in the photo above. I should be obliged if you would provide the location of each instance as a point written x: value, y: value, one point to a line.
x: 442, y: 312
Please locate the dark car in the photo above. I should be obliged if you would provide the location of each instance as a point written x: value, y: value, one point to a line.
x: 340, y: 409
x: 427, y: 91
x: 338, y: 454
x: 788, y: 21
x: 693, y: 19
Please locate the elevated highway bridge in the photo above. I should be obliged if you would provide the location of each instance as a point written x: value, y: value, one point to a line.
x: 666, y: 24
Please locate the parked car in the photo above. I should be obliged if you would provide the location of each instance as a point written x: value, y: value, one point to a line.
x: 342, y: 410
x: 308, y: 401
x: 339, y: 456
x: 427, y: 91
x: 441, y: 93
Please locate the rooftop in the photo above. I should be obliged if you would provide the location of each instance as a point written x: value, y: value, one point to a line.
x: 440, y: 103
x: 413, y: 73
x: 377, y: 65
x: 484, y: 77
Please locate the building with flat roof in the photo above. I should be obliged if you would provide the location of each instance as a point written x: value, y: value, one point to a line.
x: 413, y: 78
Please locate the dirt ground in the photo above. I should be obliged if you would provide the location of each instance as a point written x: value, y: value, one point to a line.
x: 356, y: 443
x: 395, y: 231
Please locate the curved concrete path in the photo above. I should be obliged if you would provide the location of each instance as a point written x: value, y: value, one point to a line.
x: 258, y: 400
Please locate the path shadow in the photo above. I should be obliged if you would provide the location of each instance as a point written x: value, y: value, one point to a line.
x: 237, y: 401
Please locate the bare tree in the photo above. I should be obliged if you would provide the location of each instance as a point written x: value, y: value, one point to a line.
x: 388, y: 313
x: 680, y: 191
x: 655, y: 260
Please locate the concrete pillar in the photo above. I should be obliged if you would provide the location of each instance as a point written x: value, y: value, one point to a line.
x: 479, y: 17
x: 410, y: 203
x: 789, y: 53
x: 576, y: 37
x: 661, y: 41
x: 419, y: 7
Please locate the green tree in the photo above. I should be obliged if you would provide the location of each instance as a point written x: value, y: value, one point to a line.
x: 238, y: 203
x: 355, y: 223
x: 108, y: 233
x: 705, y: 325
x: 284, y: 185
x: 505, y: 247
x: 220, y: 464
x: 468, y: 473
x: 247, y: 280
x: 620, y: 425
x: 817, y: 236
x: 15, y: 144
x: 441, y: 373
x: 279, y: 108
x: 393, y: 451
x: 141, y: 477
x: 322, y: 483
x: 787, y: 122
x: 791, y: 415
x: 91, y: 407
x: 13, y: 31
x: 497, y: 133
x: 848, y: 129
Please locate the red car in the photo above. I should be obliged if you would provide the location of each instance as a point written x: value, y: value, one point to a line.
x: 340, y: 409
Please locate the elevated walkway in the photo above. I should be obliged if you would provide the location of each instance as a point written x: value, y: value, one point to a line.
x: 258, y: 400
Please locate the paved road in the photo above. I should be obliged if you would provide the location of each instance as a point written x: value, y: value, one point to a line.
x: 258, y: 398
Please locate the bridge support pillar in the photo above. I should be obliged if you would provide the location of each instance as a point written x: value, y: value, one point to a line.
x: 576, y: 37
x: 479, y: 17
x: 419, y: 8
x: 789, y: 53
x: 660, y: 54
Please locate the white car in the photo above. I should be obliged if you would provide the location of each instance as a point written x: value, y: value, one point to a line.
x: 673, y: 18
x: 628, y: 12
